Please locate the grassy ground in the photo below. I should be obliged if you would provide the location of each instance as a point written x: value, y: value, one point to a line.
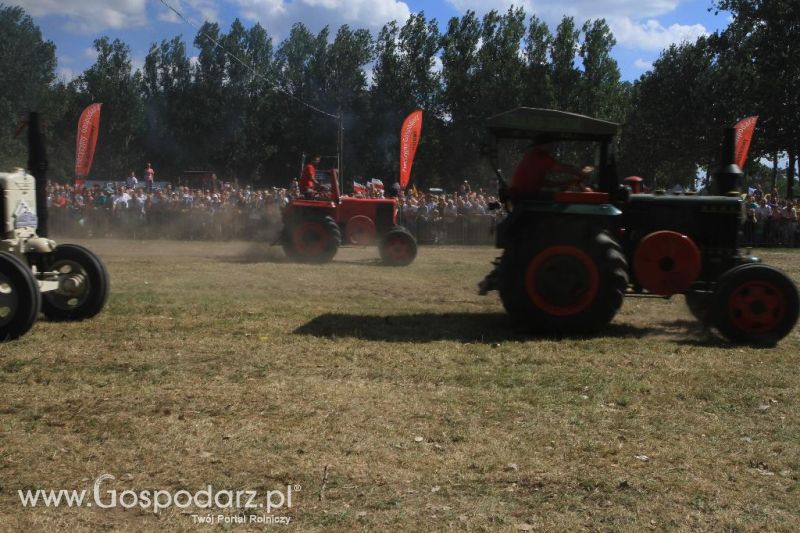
x: 396, y: 398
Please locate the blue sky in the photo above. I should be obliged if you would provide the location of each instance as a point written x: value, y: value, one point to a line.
x: 642, y: 27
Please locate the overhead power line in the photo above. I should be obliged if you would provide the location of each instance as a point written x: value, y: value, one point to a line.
x: 247, y: 66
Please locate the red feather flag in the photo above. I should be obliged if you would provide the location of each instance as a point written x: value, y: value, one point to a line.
x: 744, y: 134
x: 88, y: 126
x: 409, y: 139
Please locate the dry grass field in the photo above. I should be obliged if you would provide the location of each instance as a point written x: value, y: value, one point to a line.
x: 394, y: 399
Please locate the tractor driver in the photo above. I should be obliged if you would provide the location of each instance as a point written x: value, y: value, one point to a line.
x: 534, y: 173
x: 307, y: 179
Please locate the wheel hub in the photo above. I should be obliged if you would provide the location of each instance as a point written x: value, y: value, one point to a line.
x: 562, y: 280
x: 8, y: 301
x: 756, y: 306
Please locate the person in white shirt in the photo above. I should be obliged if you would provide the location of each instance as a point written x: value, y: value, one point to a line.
x: 131, y: 182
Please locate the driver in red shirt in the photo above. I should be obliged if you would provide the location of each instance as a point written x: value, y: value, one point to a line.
x: 535, y: 172
x: 307, y: 180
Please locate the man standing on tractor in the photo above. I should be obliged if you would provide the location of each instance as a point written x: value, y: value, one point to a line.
x: 534, y: 173
x: 307, y: 179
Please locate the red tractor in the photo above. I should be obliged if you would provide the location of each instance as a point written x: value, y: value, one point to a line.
x: 314, y: 227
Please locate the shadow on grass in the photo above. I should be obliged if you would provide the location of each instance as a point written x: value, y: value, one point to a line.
x: 429, y: 327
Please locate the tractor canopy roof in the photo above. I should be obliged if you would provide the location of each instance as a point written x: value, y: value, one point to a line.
x: 549, y: 124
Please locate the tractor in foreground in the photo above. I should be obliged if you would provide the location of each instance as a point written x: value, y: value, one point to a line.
x: 570, y: 258
x: 65, y: 281
x: 315, y: 227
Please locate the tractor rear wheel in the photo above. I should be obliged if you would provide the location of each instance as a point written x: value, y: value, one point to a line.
x: 312, y: 238
x: 19, y: 297
x: 570, y: 283
x: 398, y: 247
x: 755, y: 304
x: 83, y: 284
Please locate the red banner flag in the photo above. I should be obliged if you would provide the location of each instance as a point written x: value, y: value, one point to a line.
x: 744, y: 134
x: 88, y: 126
x: 409, y: 139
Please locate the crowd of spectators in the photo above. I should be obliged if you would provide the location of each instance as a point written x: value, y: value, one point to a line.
x: 771, y: 220
x: 128, y: 210
x: 460, y: 217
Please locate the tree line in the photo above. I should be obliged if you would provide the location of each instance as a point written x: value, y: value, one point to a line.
x: 247, y: 108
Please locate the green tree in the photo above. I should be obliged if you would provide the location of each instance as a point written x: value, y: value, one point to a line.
x: 599, y: 88
x: 112, y: 82
x: 461, y: 92
x: 671, y: 128
x: 166, y: 84
x: 27, y: 72
x: 539, y: 82
x: 762, y: 51
x: 565, y: 75
x: 500, y: 65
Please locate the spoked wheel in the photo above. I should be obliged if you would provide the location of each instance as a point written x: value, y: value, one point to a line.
x: 569, y: 284
x: 755, y: 304
x: 19, y: 297
x: 398, y: 247
x: 82, y: 284
x: 312, y: 239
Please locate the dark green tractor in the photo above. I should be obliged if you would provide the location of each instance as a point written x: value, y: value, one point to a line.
x: 570, y: 257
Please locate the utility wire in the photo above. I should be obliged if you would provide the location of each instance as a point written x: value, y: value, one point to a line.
x: 245, y: 65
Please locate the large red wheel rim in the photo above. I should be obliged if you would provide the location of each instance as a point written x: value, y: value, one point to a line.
x: 756, y: 306
x: 398, y: 249
x: 562, y: 280
x: 310, y: 239
x: 360, y: 230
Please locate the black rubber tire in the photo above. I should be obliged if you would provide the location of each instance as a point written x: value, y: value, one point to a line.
x: 598, y: 301
x: 324, y: 227
x: 19, y: 297
x: 398, y: 247
x: 767, y: 296
x: 89, y: 302
x: 699, y: 304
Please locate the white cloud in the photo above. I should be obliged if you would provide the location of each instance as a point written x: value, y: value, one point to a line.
x: 277, y: 16
x: 552, y: 11
x: 89, y: 16
x: 643, y: 64
x: 651, y: 35
x: 631, y: 21
x: 207, y: 9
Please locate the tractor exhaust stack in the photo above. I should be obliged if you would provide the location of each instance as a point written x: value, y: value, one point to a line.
x: 37, y: 165
x: 728, y: 176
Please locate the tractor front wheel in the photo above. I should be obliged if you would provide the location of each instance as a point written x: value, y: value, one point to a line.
x: 398, y: 247
x: 312, y: 239
x: 755, y: 304
x: 19, y: 297
x: 569, y: 284
x: 83, y: 284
